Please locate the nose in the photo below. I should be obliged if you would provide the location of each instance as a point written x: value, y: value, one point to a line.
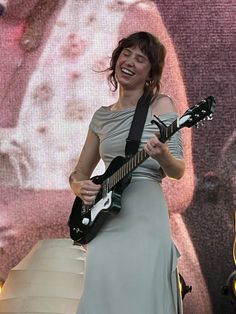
x: 129, y: 61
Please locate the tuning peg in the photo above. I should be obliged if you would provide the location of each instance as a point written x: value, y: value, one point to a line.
x: 210, y: 117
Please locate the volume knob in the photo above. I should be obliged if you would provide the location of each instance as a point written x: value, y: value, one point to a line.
x: 85, y: 221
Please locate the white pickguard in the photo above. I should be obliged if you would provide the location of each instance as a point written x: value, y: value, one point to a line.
x: 104, y: 203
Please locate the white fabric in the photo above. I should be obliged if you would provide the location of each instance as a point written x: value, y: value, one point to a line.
x: 48, y: 280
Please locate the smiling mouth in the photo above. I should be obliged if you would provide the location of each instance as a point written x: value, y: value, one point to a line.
x: 127, y: 71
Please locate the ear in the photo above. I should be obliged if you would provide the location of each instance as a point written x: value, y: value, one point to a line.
x: 149, y: 79
x: 150, y: 76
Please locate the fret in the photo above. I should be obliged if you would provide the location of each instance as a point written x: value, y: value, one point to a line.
x: 118, y: 176
x: 110, y: 183
x: 126, y: 167
x: 133, y: 162
x: 174, y: 127
x: 140, y: 156
x: 130, y: 164
x: 136, y: 159
x: 170, y: 130
x: 124, y: 171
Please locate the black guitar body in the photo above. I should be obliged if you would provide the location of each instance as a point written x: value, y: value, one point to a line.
x: 82, y: 234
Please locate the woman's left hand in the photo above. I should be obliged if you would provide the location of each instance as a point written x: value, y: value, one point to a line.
x: 172, y: 166
x: 155, y: 148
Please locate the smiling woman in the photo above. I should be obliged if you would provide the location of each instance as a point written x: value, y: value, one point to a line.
x: 132, y: 69
x: 137, y: 58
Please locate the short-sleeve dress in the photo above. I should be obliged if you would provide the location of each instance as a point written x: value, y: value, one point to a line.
x: 131, y: 265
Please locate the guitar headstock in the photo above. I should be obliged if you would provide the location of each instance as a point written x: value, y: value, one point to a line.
x: 201, y: 111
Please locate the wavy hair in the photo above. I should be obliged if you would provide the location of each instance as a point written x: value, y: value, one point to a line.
x: 152, y: 48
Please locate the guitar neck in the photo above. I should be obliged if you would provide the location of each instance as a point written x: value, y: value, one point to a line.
x: 140, y: 157
x: 168, y: 131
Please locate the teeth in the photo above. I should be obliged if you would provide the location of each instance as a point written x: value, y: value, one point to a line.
x: 126, y: 71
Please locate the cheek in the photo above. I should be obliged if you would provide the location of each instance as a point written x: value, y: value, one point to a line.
x: 117, y: 67
x: 119, y: 62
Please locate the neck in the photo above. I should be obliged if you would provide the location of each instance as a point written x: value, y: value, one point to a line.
x: 128, y: 98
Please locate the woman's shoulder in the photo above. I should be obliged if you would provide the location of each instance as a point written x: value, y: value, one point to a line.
x: 101, y: 113
x: 101, y: 110
x: 104, y: 109
x: 163, y: 104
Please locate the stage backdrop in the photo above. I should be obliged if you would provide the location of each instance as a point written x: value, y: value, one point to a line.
x: 51, y: 54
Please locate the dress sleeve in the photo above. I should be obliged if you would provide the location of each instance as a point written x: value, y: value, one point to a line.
x: 175, y: 143
x: 94, y: 123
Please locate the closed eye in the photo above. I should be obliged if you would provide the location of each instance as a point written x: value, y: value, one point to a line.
x: 140, y: 59
x: 126, y: 52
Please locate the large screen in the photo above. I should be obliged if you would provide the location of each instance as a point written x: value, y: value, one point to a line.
x: 53, y: 57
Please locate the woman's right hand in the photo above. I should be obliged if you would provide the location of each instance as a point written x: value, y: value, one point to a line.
x: 86, y: 190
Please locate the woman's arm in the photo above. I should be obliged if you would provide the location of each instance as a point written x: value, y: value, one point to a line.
x: 79, y: 179
x: 173, y: 167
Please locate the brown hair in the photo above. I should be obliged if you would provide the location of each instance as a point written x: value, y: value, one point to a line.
x: 152, y: 48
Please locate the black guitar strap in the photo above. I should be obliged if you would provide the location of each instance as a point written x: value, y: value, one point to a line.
x: 137, y: 125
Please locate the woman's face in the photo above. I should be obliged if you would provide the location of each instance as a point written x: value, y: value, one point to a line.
x: 132, y: 68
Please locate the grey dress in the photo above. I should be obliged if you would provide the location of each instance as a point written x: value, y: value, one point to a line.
x: 131, y: 264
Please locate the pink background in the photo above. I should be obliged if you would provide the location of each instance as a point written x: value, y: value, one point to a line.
x: 48, y: 93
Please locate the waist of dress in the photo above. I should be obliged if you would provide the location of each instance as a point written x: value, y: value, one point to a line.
x: 137, y: 177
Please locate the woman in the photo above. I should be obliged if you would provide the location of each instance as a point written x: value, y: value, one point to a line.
x: 131, y: 263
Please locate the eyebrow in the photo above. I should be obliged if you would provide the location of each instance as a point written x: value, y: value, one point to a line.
x: 137, y: 54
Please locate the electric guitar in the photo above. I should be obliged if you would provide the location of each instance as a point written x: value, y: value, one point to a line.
x: 85, y: 221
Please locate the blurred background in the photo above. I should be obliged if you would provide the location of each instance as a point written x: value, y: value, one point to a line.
x: 51, y: 52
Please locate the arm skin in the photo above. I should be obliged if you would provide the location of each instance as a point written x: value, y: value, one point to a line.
x: 79, y: 180
x: 173, y: 167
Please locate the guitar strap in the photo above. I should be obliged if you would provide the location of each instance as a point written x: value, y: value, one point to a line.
x: 137, y: 125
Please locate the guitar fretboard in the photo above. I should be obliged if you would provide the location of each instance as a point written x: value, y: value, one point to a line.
x: 139, y: 157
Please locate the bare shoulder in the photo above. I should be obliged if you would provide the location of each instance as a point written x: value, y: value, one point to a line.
x: 163, y: 104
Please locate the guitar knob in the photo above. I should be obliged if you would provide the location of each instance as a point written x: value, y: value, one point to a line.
x: 85, y: 221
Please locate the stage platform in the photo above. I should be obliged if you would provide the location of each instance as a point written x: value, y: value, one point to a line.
x: 48, y: 280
